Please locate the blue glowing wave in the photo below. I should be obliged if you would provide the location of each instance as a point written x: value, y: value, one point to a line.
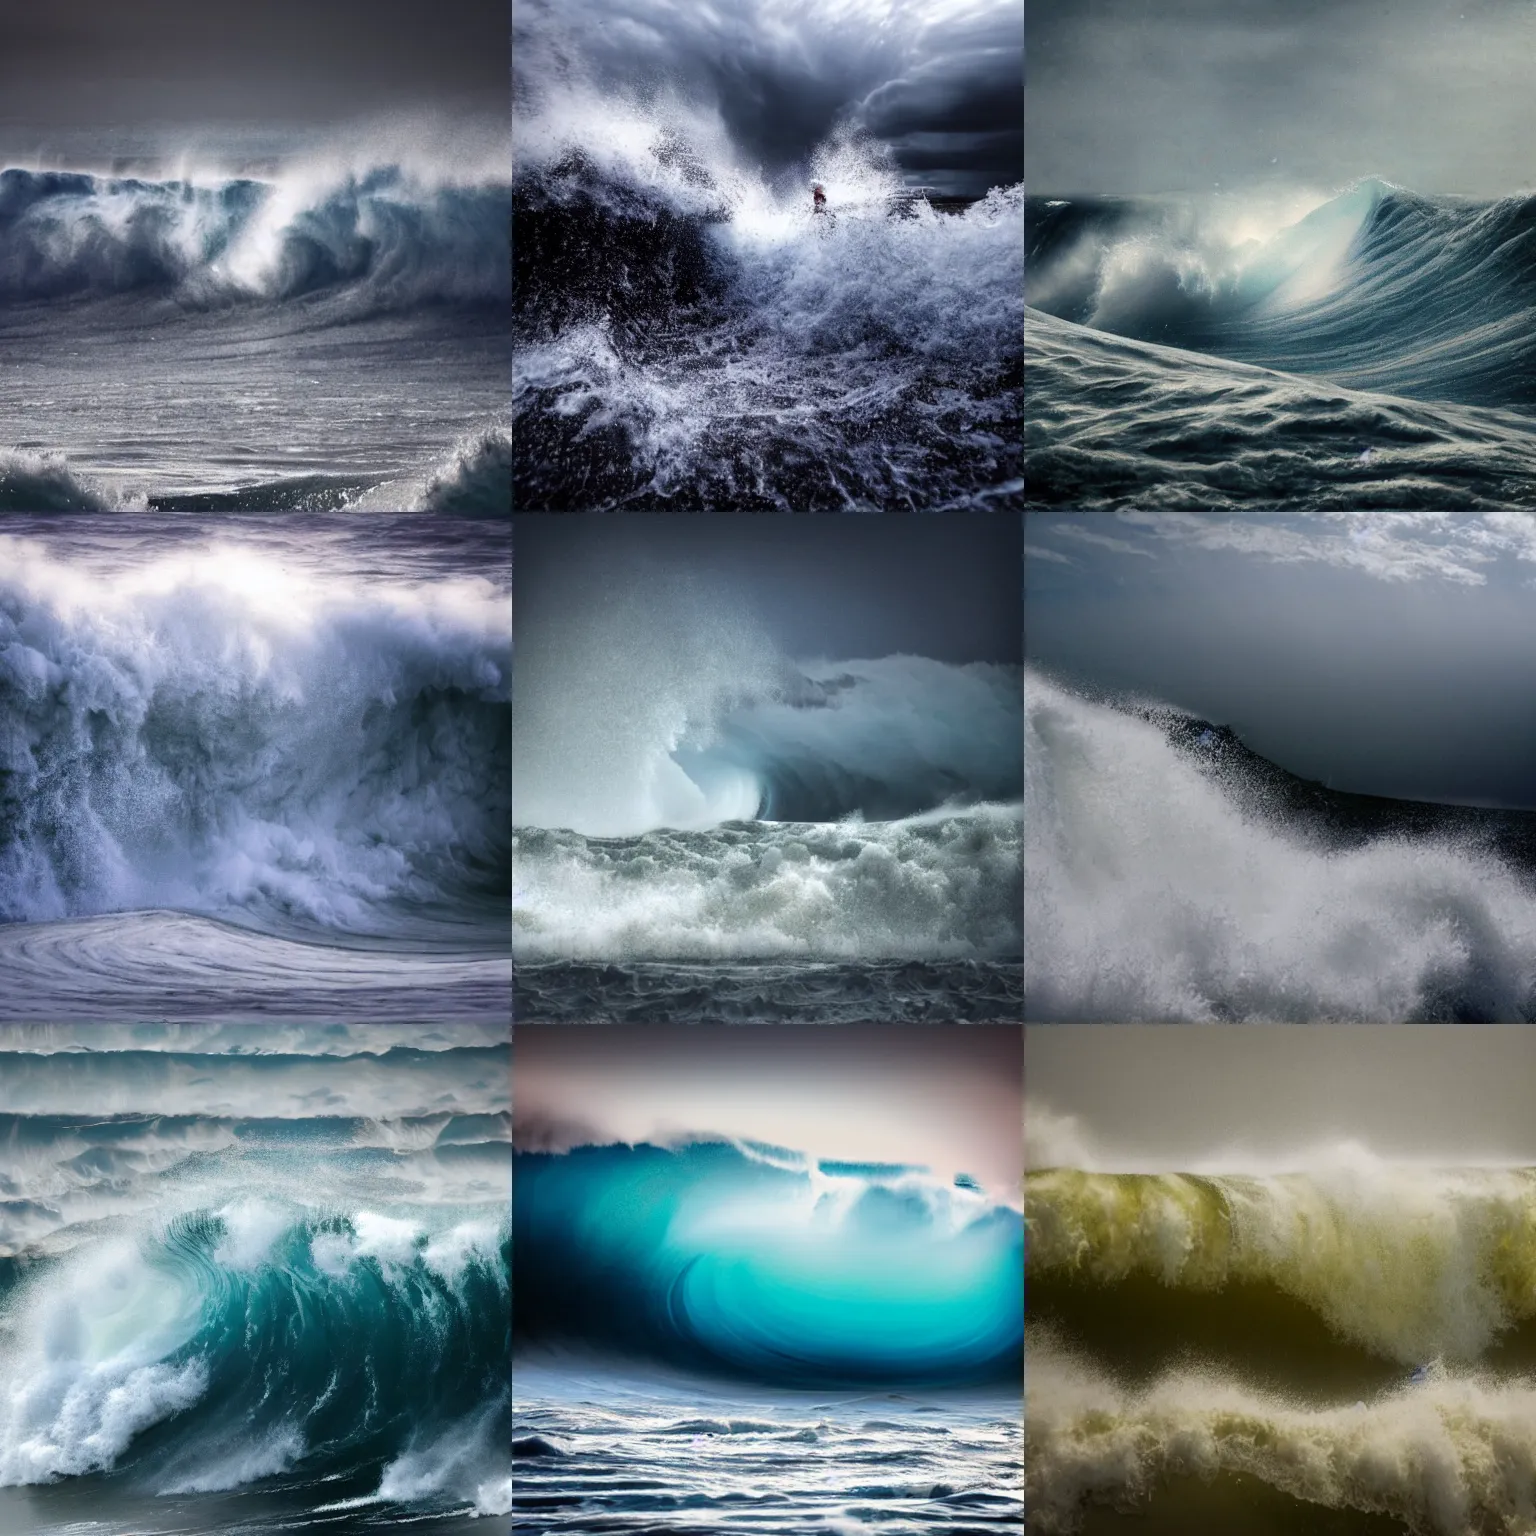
x: 753, y: 1262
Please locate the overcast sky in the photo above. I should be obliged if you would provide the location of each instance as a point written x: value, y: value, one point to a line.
x: 1385, y: 653
x: 948, y: 1098
x: 1252, y: 1097
x: 92, y: 79
x: 939, y: 81
x: 843, y: 587
x: 1148, y: 96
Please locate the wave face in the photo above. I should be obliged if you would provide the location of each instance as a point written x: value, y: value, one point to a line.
x: 1342, y: 1348
x: 388, y: 236
x: 1368, y: 304
x: 727, y: 1259
x: 217, y: 731
x: 1157, y: 889
x: 185, y: 1316
x: 689, y: 338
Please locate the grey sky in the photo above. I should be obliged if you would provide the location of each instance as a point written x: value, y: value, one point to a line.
x: 1149, y: 96
x: 1389, y: 654
x: 1256, y: 1097
x: 99, y: 77
x: 946, y: 588
x: 948, y: 1097
x: 940, y: 82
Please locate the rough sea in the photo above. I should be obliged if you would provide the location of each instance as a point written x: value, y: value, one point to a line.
x: 255, y: 1278
x: 1373, y: 350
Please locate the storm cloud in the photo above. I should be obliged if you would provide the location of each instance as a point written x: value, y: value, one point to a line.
x: 118, y: 79
x: 1180, y: 96
x: 939, y: 83
x: 1387, y: 654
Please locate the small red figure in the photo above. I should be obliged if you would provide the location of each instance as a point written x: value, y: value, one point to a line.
x: 820, y: 197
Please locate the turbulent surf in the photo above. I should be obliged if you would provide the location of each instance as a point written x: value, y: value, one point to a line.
x: 1374, y: 351
x: 354, y: 306
x: 690, y: 336
x: 1170, y: 873
x: 240, y: 772
x: 222, y: 1309
x: 1341, y: 1345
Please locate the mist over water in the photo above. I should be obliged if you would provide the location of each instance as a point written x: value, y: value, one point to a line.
x: 1154, y: 891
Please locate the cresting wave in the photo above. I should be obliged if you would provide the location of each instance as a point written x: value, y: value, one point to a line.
x: 219, y: 732
x: 1448, y: 1456
x: 1407, y: 1263
x: 1376, y: 351
x: 387, y: 236
x: 242, y: 1344
x: 691, y: 337
x: 1152, y: 891
x: 738, y: 1259
x: 1378, y: 288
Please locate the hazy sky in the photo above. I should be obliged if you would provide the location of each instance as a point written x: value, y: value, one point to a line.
x: 940, y: 81
x: 946, y: 1097
x: 843, y: 587
x: 106, y: 76
x: 1389, y: 654
x: 1214, y: 1098
x: 1145, y: 96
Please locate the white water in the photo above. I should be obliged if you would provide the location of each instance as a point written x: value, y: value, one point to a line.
x: 1149, y: 895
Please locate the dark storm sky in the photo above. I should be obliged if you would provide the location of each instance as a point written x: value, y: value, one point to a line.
x: 82, y: 72
x: 1386, y: 653
x: 942, y: 587
x: 1148, y: 96
x: 940, y: 81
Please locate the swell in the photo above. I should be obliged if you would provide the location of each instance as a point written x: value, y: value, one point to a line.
x: 386, y: 236
x: 1376, y: 289
x: 227, y: 735
x: 721, y: 1259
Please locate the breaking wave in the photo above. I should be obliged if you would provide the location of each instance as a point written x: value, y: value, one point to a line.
x: 690, y: 336
x: 386, y: 236
x: 1155, y: 890
x: 752, y: 1262
x: 216, y: 732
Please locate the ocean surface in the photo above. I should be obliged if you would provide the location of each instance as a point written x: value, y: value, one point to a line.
x: 716, y: 1336
x: 332, y: 335
x: 1346, y: 1348
x: 1375, y: 351
x: 690, y: 336
x: 755, y: 837
x: 254, y: 1279
x: 1171, y: 873
x: 254, y: 769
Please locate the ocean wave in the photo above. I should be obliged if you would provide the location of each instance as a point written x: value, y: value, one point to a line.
x: 387, y: 236
x: 46, y: 482
x: 218, y: 732
x: 476, y: 480
x: 1409, y: 1264
x: 248, y: 1343
x: 710, y: 1258
x: 690, y: 337
x: 1377, y: 288
x: 1442, y: 1457
x: 1116, y: 422
x: 1154, y: 891
x: 936, y: 887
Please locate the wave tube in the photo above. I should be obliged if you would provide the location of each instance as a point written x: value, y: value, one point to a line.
x: 758, y: 1264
